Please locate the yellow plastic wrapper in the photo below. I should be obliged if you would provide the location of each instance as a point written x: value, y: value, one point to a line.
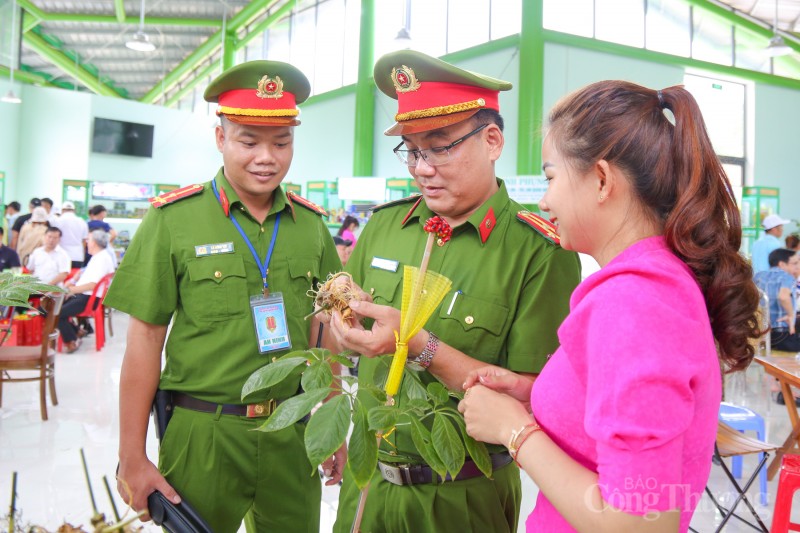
x: 422, y: 294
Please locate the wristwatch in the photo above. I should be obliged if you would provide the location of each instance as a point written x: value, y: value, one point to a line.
x: 424, y: 359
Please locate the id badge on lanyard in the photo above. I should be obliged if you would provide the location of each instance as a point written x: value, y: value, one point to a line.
x: 269, y: 319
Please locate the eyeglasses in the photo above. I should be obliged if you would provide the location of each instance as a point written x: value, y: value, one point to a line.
x: 436, y: 156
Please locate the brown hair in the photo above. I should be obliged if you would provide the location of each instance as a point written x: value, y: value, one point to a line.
x: 792, y: 241
x: 681, y: 183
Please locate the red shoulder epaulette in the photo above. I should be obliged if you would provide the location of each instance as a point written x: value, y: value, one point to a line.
x: 173, y: 196
x: 543, y: 226
x: 390, y: 203
x: 296, y: 198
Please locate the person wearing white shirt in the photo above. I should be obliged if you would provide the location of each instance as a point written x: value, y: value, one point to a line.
x: 50, y: 263
x: 74, y: 232
x: 99, y: 266
x: 773, y: 230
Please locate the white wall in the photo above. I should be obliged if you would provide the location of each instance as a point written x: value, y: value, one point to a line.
x: 9, y: 139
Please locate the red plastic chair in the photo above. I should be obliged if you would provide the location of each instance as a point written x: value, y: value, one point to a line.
x: 788, y: 485
x: 95, y: 309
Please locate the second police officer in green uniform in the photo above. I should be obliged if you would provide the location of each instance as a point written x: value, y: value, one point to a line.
x: 222, y: 264
x: 511, y: 286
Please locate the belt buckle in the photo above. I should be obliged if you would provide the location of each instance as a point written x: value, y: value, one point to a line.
x: 394, y: 474
x: 261, y: 409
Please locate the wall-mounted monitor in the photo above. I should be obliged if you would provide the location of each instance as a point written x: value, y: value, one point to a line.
x: 107, y: 190
x: 124, y: 138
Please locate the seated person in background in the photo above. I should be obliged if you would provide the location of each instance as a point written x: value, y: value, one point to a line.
x: 8, y: 257
x: 50, y: 262
x: 778, y: 283
x: 32, y: 233
x: 342, y: 248
x: 79, y: 292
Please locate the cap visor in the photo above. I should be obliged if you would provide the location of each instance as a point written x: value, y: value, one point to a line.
x: 263, y: 121
x: 429, y: 123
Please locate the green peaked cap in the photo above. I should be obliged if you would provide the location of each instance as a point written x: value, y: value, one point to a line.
x: 247, y: 76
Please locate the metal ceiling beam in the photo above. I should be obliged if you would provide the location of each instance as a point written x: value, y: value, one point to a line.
x: 196, y: 79
x: 29, y: 21
x: 67, y: 64
x: 26, y: 77
x: 119, y: 9
x: 262, y: 26
x: 208, y: 48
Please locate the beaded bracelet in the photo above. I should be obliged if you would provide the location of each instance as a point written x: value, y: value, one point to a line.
x: 518, y: 438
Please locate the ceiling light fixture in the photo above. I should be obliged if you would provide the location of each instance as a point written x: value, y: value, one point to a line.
x: 140, y: 42
x: 777, y: 46
x: 403, y: 38
x: 10, y: 97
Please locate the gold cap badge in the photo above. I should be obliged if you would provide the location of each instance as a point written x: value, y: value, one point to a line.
x: 269, y: 87
x: 404, y: 79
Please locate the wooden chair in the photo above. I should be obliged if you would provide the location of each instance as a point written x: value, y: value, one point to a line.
x: 41, y: 359
x: 731, y: 443
x: 96, y: 310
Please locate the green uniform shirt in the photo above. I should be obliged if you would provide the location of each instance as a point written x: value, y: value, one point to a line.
x: 212, y: 349
x: 509, y: 294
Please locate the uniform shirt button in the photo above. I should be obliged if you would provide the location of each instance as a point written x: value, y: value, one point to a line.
x: 439, y: 242
x: 469, y: 319
x: 217, y: 274
x: 308, y: 274
x: 262, y: 229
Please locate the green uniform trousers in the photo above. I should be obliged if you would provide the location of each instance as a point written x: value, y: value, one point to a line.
x: 237, y: 471
x: 477, y: 505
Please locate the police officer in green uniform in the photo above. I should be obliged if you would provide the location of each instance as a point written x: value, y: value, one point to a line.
x: 510, y: 292
x: 221, y: 262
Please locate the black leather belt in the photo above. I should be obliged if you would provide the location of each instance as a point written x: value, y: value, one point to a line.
x: 404, y: 474
x: 253, y: 410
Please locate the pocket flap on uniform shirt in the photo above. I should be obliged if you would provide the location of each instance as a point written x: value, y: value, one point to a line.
x: 473, y: 313
x: 216, y: 268
x: 304, y: 267
x: 383, y: 285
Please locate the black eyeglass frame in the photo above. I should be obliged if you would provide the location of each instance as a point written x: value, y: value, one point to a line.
x: 435, y: 149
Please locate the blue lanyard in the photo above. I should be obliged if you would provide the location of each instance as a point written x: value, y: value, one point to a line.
x: 262, y: 267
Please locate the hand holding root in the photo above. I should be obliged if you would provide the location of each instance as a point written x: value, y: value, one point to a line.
x: 335, y: 295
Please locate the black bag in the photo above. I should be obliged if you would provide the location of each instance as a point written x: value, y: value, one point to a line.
x: 180, y: 518
x: 162, y: 411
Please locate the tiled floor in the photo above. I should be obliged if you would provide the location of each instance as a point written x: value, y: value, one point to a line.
x: 51, y: 487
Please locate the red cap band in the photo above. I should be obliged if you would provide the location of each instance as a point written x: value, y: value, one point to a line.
x: 246, y: 99
x: 442, y: 98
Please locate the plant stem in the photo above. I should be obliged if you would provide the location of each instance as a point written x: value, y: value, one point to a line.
x: 13, y: 509
x: 111, y: 498
x: 88, y: 482
x: 321, y: 309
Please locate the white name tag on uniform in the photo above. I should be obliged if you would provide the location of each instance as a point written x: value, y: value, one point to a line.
x: 213, y: 249
x: 385, y: 264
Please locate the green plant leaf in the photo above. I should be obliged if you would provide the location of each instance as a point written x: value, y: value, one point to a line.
x: 476, y: 449
x: 444, y: 439
x: 293, y: 409
x: 342, y: 360
x: 351, y: 381
x: 438, y: 393
x: 270, y: 375
x: 327, y: 429
x: 383, y: 418
x: 374, y: 392
x: 362, y: 452
x: 381, y: 372
x: 412, y: 387
x: 419, y: 406
x: 422, y: 441
x: 317, y: 376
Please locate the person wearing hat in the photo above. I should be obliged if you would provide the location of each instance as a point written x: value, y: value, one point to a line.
x: 21, y: 220
x: 511, y: 286
x: 216, y: 260
x: 32, y: 234
x: 773, y: 231
x: 74, y: 233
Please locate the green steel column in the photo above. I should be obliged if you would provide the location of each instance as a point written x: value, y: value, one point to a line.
x: 365, y: 94
x: 531, y: 88
x: 229, y: 57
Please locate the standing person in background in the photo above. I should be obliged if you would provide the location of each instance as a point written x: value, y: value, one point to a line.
x: 32, y: 234
x: 779, y: 283
x: 343, y: 248
x: 11, y: 214
x: 511, y: 287
x: 209, y: 265
x: 645, y: 195
x: 80, y: 291
x: 47, y: 203
x: 50, y: 262
x: 21, y: 220
x: 773, y: 230
x: 8, y: 256
x: 349, y: 226
x: 74, y: 232
x: 97, y: 215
